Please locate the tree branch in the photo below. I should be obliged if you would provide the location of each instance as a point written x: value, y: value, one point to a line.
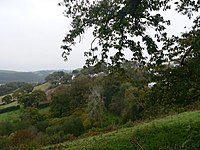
x: 186, y: 54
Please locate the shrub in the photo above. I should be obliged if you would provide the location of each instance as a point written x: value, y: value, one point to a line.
x: 23, y: 136
x: 73, y: 125
x: 53, y: 129
x: 4, y: 143
x: 28, y: 146
x: 60, y: 104
x: 110, y: 119
x: 40, y: 139
x: 6, y: 128
x: 22, y: 124
x: 43, y: 105
x: 42, y: 125
x: 86, y: 121
x: 56, y: 137
x: 31, y: 114
x: 135, y: 102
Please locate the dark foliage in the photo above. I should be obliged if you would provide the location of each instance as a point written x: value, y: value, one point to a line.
x: 10, y: 87
x: 8, y: 109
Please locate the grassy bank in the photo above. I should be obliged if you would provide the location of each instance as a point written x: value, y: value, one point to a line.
x: 180, y: 131
x: 15, y: 103
x: 42, y: 87
x: 12, y: 115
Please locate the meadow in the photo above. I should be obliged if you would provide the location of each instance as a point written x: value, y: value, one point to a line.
x: 13, y: 115
x: 42, y: 87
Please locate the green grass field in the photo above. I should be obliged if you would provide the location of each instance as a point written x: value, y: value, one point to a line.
x: 9, y: 105
x: 44, y: 110
x: 42, y: 87
x: 1, y: 99
x: 176, y: 132
x: 12, y: 115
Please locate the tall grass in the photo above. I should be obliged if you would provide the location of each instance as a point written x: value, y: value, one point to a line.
x: 179, y: 132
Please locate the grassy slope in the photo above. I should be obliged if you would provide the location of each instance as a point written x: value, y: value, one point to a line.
x: 167, y: 128
x: 12, y: 115
x: 42, y: 87
x: 1, y: 99
x: 3, y: 96
x: 9, y: 105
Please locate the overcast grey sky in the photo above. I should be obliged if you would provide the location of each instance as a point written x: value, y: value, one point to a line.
x: 31, y: 33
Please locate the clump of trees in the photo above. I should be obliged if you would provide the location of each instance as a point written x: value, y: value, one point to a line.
x: 126, y: 28
x: 7, y: 99
x: 32, y: 99
x: 59, y: 77
x: 10, y: 87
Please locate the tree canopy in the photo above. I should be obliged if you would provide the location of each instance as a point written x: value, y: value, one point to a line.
x: 123, y: 25
x: 32, y: 99
x: 7, y: 99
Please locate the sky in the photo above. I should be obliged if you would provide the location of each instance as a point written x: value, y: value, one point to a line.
x: 31, y: 34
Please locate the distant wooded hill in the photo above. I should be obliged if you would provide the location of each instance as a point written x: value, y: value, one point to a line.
x: 13, y: 76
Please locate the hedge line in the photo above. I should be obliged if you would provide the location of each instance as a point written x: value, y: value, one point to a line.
x: 12, y: 108
x: 8, y: 109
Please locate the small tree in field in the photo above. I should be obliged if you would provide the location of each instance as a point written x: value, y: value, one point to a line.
x: 32, y: 99
x: 7, y: 99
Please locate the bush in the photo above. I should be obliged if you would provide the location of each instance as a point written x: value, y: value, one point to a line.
x: 110, y: 119
x: 55, y: 137
x: 22, y: 124
x: 59, y: 106
x: 6, y: 128
x: 4, y: 143
x: 42, y: 125
x: 23, y: 136
x: 85, y: 119
x: 31, y: 114
x: 53, y: 129
x: 43, y: 105
x: 28, y: 146
x: 73, y: 125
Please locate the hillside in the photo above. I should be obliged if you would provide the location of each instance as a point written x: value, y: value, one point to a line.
x: 173, y: 132
x: 113, y: 111
x: 14, y: 76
